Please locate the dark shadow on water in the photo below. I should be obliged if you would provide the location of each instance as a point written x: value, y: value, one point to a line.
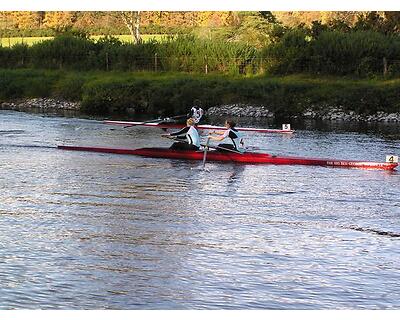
x: 375, y: 231
x: 8, y: 132
x: 27, y: 146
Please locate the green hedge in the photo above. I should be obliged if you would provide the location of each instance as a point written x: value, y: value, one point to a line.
x: 168, y: 94
x: 27, y: 83
x: 357, y: 53
x: 354, y: 53
x: 180, y: 53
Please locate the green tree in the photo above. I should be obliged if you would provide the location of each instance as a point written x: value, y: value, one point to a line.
x: 258, y: 29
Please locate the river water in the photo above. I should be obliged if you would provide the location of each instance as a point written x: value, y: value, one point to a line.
x: 101, y: 231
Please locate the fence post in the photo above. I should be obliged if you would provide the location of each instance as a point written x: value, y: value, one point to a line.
x: 155, y: 62
x: 206, y: 66
x: 384, y: 66
x: 107, y: 62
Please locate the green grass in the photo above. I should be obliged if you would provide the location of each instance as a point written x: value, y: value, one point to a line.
x: 128, y: 38
x: 171, y: 93
x: 9, y: 42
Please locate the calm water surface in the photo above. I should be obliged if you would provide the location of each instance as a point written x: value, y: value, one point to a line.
x: 101, y: 231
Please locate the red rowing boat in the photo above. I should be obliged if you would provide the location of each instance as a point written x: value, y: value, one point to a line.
x: 285, y: 128
x: 247, y: 157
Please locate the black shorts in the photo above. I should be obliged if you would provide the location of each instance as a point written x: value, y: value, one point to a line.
x: 226, y: 146
x: 183, y: 146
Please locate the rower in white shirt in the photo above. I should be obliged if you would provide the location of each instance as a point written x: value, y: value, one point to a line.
x: 233, y: 137
x: 189, y: 136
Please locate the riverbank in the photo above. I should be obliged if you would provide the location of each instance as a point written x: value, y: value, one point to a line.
x: 134, y: 94
x: 233, y: 110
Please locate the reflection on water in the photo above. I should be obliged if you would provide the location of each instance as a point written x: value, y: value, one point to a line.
x: 93, y: 231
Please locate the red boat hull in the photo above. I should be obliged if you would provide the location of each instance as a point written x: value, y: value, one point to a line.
x: 200, y: 127
x: 247, y: 157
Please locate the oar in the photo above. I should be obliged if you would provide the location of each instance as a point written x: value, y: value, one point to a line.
x: 166, y: 135
x: 159, y: 120
x: 205, y: 153
x: 166, y: 119
x: 252, y: 148
x: 222, y: 148
x: 154, y: 120
x: 147, y: 121
x: 177, y: 117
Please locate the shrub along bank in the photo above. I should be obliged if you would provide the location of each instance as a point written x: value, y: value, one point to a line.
x: 104, y: 93
x: 356, y: 53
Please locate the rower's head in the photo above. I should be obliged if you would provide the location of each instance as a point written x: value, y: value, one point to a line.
x: 190, y: 122
x: 230, y: 124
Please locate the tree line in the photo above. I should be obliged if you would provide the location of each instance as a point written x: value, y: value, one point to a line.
x: 26, y: 23
x: 259, y: 44
x: 48, y: 23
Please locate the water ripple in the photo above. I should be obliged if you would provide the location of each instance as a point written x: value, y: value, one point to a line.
x: 102, y: 231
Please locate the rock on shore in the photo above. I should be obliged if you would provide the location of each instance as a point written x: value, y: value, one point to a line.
x: 339, y: 114
x: 41, y: 103
x: 232, y: 110
x: 328, y: 113
x: 240, y: 110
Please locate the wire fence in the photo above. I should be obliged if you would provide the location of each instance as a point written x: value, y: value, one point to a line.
x: 106, y: 61
x: 156, y: 63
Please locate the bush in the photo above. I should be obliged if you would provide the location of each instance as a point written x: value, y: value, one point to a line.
x: 15, y: 57
x: 358, y: 53
x: 73, y: 51
x: 115, y: 96
x: 170, y: 94
x: 70, y: 87
x: 284, y: 96
x: 26, y: 83
x: 65, y: 51
x: 290, y: 54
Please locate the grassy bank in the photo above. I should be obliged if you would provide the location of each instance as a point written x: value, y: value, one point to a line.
x: 168, y: 93
x: 11, y: 41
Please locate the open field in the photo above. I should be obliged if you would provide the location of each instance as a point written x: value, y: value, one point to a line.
x: 128, y: 38
x: 9, y: 42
